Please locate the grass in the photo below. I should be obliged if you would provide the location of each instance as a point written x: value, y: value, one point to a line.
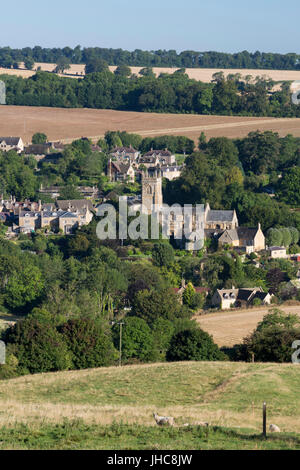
x: 227, y: 395
x: 77, y: 435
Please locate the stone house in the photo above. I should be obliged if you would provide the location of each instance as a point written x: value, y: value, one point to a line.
x: 11, y: 143
x: 162, y: 157
x: 249, y: 239
x: 125, y: 154
x: 122, y: 172
x: 277, y: 252
x: 243, y: 298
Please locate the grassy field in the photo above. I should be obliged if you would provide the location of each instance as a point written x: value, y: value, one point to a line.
x: 112, y: 407
x: 69, y: 124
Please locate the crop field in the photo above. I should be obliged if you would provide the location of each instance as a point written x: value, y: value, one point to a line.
x: 204, y: 75
x: 68, y: 124
x: 112, y: 407
x: 229, y: 328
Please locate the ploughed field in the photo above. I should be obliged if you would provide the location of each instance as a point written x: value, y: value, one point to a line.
x: 69, y: 124
x: 112, y: 407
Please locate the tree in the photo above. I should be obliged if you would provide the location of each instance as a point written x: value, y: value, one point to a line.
x: 163, y: 254
x: 137, y: 339
x: 23, y: 287
x: 123, y: 71
x: 188, y: 296
x: 63, y: 63
x: 151, y: 305
x: 288, y: 190
x: 147, y: 72
x: 39, y: 138
x: 274, y: 278
x: 95, y: 64
x: 89, y: 343
x: 69, y: 192
x: 29, y: 63
x: 38, y: 346
x: 274, y: 237
x: 273, y: 338
x: 194, y: 345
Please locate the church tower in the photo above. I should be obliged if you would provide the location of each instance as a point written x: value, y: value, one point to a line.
x: 152, y: 190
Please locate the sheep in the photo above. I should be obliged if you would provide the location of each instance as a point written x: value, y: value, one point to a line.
x: 163, y: 420
x: 274, y: 428
x: 201, y: 423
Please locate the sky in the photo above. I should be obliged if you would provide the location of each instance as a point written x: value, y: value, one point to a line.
x: 199, y: 25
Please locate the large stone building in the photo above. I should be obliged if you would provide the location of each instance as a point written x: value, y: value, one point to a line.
x: 64, y: 216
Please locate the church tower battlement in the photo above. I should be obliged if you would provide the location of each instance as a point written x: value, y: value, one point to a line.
x: 152, y: 189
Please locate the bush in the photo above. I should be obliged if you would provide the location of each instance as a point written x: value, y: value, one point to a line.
x: 38, y: 346
x: 137, y: 340
x: 89, y: 344
x: 194, y: 345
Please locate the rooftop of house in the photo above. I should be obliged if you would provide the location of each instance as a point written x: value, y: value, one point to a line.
x: 162, y: 153
x: 121, y: 167
x: 10, y: 140
x: 124, y: 150
x: 74, y: 204
x: 219, y: 216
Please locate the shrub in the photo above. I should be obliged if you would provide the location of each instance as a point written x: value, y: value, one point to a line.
x: 194, y: 345
x: 89, y: 343
x: 38, y: 346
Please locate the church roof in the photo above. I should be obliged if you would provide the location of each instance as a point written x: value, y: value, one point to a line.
x: 219, y: 216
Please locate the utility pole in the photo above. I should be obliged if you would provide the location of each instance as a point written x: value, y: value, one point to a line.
x: 120, y: 323
x: 264, y: 419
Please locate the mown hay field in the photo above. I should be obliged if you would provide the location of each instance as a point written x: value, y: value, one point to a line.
x: 204, y: 75
x: 230, y: 327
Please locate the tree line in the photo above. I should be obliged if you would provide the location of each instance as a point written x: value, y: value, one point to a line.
x: 168, y: 93
x: 159, y: 58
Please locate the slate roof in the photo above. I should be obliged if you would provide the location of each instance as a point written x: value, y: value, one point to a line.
x: 245, y: 232
x: 163, y: 153
x: 10, y: 140
x: 219, y: 216
x: 124, y: 149
x: 74, y: 204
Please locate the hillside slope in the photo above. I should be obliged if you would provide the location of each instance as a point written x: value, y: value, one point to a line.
x: 224, y: 394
